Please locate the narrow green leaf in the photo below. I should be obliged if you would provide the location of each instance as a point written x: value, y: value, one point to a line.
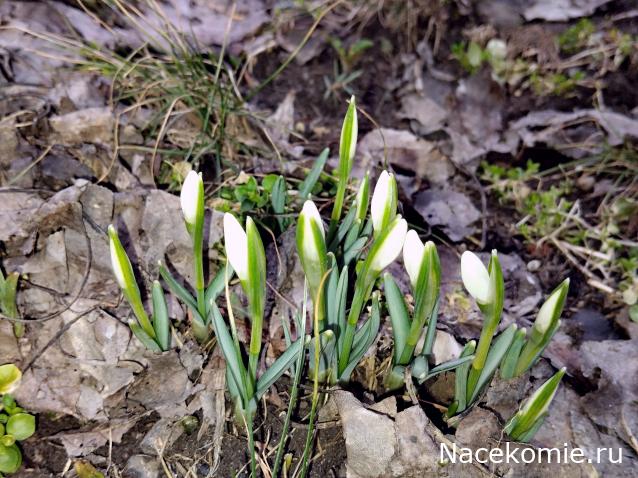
x: 508, y: 365
x: 308, y: 184
x: 398, y: 316
x: 161, y: 323
x: 216, y: 287
x: 460, y: 379
x: 179, y: 290
x: 279, y: 367
x: 344, y: 227
x: 143, y: 337
x: 230, y: 353
x: 447, y: 366
x: 430, y: 331
x: 351, y: 236
x: 331, y: 292
x: 354, y: 250
x: 363, y: 339
x: 342, y: 300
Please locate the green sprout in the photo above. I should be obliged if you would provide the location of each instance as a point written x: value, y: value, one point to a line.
x: 526, y: 422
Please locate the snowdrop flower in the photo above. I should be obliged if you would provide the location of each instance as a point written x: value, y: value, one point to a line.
x: 384, y: 202
x: 310, y: 234
x: 391, y: 245
x: 475, y: 277
x: 550, y: 311
x: 236, y: 245
x: 192, y: 198
x: 413, y: 250
x: 311, y: 246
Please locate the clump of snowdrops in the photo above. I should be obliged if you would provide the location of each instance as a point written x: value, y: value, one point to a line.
x: 344, y: 264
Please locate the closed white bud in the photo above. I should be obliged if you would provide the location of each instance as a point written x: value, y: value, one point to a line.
x: 413, y: 250
x: 384, y: 202
x: 192, y: 197
x: 119, y: 259
x: 236, y: 245
x: 549, y: 311
x: 475, y: 277
x: 391, y: 246
x: 309, y: 219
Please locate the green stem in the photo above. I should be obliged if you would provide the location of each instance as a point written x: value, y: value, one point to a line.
x: 251, y: 446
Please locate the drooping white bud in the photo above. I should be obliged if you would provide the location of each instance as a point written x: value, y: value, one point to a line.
x: 475, y: 277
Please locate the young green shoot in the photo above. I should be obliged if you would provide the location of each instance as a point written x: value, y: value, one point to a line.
x: 525, y: 423
x: 154, y: 334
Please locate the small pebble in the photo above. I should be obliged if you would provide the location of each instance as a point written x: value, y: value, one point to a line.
x: 533, y: 265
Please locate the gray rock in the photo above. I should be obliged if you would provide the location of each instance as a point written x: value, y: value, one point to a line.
x: 142, y: 466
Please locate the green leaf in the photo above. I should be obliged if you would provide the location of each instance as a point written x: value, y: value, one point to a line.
x: 447, y: 366
x: 230, y: 352
x: 21, y: 426
x: 342, y: 303
x: 279, y: 367
x: 508, y: 365
x: 354, y: 250
x: 351, y: 236
x: 161, y: 322
x: 10, y: 458
x: 143, y: 337
x: 331, y: 292
x: 180, y: 291
x: 218, y: 284
x: 308, y: 184
x: 344, y: 227
x: 398, y: 316
x: 10, y: 376
x: 8, y: 288
x: 363, y: 339
x: 460, y: 379
x: 430, y: 331
x: 494, y: 357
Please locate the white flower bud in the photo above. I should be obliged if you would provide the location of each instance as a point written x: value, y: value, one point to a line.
x: 413, y: 250
x: 118, y: 259
x: 236, y: 245
x: 191, y: 197
x: 391, y: 246
x: 549, y: 310
x: 384, y: 202
x: 475, y: 277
